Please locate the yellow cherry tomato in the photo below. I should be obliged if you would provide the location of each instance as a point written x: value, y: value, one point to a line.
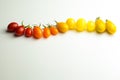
x: 71, y: 23
x: 100, y: 25
x: 110, y: 27
x: 62, y: 27
x: 90, y: 26
x: 80, y: 25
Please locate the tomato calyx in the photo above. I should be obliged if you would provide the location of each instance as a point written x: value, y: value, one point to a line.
x: 56, y: 22
x: 45, y: 26
x: 28, y: 26
x: 97, y: 18
x: 106, y: 20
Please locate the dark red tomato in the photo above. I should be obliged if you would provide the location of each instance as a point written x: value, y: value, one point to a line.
x: 12, y: 26
x: 19, y: 31
x: 28, y: 32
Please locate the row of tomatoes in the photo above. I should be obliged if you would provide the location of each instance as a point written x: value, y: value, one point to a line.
x: 37, y: 32
x: 80, y: 25
x: 99, y: 25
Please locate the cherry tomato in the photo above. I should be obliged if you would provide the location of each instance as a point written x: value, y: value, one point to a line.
x: 37, y: 32
x: 80, y: 25
x: 90, y: 26
x: 12, y: 26
x: 53, y: 30
x: 28, y: 32
x: 100, y: 25
x: 110, y: 27
x: 71, y: 23
x: 46, y: 32
x: 62, y: 27
x: 19, y: 31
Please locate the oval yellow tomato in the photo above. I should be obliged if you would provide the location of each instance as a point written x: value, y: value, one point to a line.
x: 100, y: 25
x: 80, y: 25
x: 90, y: 26
x: 110, y: 27
x: 71, y: 23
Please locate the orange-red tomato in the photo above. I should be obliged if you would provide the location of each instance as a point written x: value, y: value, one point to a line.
x: 53, y: 30
x: 37, y: 32
x: 46, y: 32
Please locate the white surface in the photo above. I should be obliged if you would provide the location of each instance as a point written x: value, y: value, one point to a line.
x: 70, y: 56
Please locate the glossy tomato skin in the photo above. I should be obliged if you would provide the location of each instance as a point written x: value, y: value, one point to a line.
x: 37, y: 32
x: 53, y: 30
x: 12, y: 26
x: 19, y: 31
x: 28, y: 32
x: 46, y: 32
x: 62, y: 27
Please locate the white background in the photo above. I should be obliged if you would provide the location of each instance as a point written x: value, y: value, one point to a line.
x: 70, y: 56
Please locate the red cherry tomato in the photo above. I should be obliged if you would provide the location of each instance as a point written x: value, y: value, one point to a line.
x: 19, y: 31
x: 28, y: 32
x: 12, y: 26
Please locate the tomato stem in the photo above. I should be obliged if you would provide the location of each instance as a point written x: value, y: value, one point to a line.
x: 56, y: 21
x: 28, y: 26
x: 106, y: 20
x: 39, y: 25
x: 49, y: 25
x: 97, y: 18
x: 22, y: 23
x: 44, y: 26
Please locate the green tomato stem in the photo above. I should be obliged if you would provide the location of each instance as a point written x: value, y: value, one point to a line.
x: 56, y: 21
x: 97, y: 18
x: 22, y: 23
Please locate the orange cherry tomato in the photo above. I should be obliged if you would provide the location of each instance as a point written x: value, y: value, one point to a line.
x: 37, y: 32
x: 53, y: 30
x: 46, y: 32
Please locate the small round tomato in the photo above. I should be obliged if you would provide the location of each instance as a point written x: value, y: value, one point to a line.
x: 100, y: 25
x: 53, y: 30
x: 12, y: 26
x: 37, y: 32
x: 90, y: 26
x: 62, y: 27
x: 19, y: 31
x: 71, y: 23
x: 46, y: 32
x: 80, y: 25
x: 28, y: 32
x: 110, y: 27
